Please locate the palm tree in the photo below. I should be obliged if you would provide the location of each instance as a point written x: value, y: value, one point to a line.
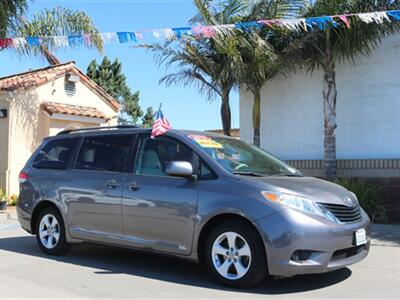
x: 9, y: 10
x: 199, y: 63
x: 259, y: 55
x: 256, y: 62
x: 54, y: 22
x: 204, y: 62
x: 322, y: 49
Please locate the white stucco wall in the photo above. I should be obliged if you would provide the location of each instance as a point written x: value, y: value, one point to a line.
x: 368, y: 110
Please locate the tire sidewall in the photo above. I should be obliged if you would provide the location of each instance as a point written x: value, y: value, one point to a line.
x: 62, y: 245
x: 258, y: 264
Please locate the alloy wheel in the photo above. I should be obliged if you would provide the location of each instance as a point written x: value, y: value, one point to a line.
x: 231, y: 255
x: 49, y: 231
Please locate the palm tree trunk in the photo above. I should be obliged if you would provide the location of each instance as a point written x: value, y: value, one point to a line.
x: 330, y: 96
x: 256, y: 117
x: 50, y: 57
x: 226, y: 113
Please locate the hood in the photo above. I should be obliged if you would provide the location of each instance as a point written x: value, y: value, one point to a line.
x: 315, y: 189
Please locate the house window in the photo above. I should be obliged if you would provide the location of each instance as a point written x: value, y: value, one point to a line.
x: 70, y: 88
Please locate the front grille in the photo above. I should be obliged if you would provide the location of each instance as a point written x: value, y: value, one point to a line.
x: 343, y: 213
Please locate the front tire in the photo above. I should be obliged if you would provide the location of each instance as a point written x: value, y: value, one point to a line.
x: 50, y: 232
x: 235, y: 256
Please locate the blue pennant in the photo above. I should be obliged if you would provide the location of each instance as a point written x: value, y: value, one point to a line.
x: 321, y: 22
x: 75, y: 40
x: 394, y: 14
x: 182, y: 31
x: 126, y: 37
x: 247, y: 26
x: 33, y: 41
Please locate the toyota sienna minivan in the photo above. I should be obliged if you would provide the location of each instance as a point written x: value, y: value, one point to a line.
x: 195, y: 195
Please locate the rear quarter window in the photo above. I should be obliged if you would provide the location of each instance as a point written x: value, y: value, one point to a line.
x: 55, y: 154
x: 104, y: 153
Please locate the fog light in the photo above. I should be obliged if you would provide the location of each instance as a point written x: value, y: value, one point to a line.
x: 301, y: 255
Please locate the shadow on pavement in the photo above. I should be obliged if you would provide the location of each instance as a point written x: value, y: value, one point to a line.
x: 112, y: 260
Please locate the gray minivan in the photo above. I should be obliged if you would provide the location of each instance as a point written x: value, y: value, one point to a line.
x: 200, y: 196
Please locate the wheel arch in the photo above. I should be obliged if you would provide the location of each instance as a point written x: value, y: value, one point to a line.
x: 218, y: 219
x: 38, y: 209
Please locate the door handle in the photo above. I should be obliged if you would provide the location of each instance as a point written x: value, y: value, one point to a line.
x: 133, y: 186
x: 112, y: 184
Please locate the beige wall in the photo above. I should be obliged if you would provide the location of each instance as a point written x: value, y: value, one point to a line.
x: 26, y: 131
x: 55, y: 91
x: 4, y: 104
x: 29, y: 124
x: 55, y: 126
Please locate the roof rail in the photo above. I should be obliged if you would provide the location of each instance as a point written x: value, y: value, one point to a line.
x: 68, y: 131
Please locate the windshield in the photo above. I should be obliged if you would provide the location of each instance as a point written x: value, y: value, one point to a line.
x: 241, y: 158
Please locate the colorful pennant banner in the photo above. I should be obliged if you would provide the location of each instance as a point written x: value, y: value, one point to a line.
x: 201, y: 31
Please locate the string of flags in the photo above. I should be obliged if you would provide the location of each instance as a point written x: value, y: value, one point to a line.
x: 200, y: 31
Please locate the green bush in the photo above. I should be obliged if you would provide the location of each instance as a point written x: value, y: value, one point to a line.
x: 369, y: 196
x: 3, y: 196
x: 12, y: 201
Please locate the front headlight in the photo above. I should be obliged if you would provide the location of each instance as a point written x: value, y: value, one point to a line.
x: 300, y: 203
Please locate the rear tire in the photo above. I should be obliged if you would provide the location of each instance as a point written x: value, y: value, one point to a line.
x: 50, y: 232
x: 234, y: 254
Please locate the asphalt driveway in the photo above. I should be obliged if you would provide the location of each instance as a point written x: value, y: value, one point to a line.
x: 91, y: 271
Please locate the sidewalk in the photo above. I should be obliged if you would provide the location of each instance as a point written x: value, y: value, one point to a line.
x: 382, y: 235
x: 9, y: 214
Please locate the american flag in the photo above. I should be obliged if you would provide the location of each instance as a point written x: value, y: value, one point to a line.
x: 161, y: 125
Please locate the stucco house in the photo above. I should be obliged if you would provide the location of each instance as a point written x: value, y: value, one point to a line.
x: 368, y: 110
x: 43, y: 102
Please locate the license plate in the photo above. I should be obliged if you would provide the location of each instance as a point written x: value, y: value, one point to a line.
x: 360, y: 237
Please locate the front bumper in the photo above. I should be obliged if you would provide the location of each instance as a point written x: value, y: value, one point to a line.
x: 331, y: 246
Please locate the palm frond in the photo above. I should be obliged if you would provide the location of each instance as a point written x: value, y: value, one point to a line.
x: 55, y: 22
x: 346, y: 44
x: 9, y: 11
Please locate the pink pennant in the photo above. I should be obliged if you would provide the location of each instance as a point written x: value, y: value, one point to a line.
x: 87, y: 39
x: 205, y: 31
x: 139, y: 35
x: 208, y: 31
x: 271, y: 23
x: 344, y: 19
x: 5, y: 43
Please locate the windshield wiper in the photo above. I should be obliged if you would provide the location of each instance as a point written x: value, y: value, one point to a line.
x: 287, y: 175
x: 249, y: 174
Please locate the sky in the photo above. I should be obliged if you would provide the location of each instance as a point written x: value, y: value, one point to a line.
x: 183, y: 106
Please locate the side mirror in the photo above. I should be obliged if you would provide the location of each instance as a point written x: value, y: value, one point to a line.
x: 179, y: 169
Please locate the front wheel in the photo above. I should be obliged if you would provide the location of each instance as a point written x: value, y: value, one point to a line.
x: 235, y: 255
x: 50, y: 232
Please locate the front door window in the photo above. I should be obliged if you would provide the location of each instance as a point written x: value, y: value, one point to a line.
x: 155, y: 154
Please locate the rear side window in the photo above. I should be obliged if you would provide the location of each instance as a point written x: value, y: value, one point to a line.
x: 55, y: 154
x: 105, y: 153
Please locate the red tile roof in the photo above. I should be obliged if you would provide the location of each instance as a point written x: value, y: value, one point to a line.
x: 72, y: 110
x: 39, y: 77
